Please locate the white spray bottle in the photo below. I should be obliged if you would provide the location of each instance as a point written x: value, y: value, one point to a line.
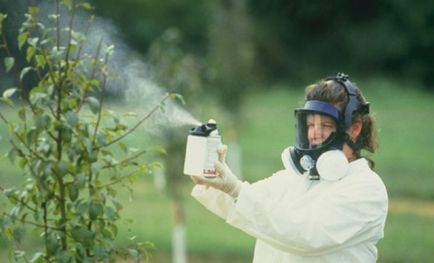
x: 201, y: 151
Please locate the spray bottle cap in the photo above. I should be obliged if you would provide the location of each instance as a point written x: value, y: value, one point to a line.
x: 204, y: 129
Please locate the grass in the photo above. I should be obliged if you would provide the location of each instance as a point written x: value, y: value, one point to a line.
x: 405, y: 126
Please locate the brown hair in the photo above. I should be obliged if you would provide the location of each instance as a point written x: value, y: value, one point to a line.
x: 333, y: 92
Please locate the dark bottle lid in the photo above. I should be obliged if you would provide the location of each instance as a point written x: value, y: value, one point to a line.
x: 204, y: 129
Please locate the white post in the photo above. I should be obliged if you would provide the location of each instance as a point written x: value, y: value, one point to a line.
x: 179, y: 254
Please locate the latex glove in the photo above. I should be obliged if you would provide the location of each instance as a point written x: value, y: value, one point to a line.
x: 225, y: 180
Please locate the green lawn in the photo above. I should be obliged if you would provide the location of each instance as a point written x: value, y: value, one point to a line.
x: 403, y: 161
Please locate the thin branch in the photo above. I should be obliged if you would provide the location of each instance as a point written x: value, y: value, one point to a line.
x: 92, y: 75
x: 68, y: 47
x: 71, y: 23
x: 4, y: 119
x: 35, y: 153
x: 50, y: 69
x: 33, y: 172
x: 120, y: 179
x: 125, y: 160
x: 138, y: 123
x: 101, y: 99
x: 99, y: 116
x: 34, y: 223
x: 45, y: 220
x: 77, y: 57
x: 20, y: 201
x: 57, y: 24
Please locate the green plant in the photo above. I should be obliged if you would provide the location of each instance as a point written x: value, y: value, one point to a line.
x: 64, y: 146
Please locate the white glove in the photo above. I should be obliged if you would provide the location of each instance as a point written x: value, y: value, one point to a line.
x: 225, y: 180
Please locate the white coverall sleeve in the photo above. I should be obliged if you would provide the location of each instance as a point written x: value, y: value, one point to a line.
x: 221, y: 203
x: 349, y: 212
x: 215, y: 200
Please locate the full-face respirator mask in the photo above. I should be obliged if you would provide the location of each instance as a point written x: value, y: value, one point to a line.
x: 321, y: 134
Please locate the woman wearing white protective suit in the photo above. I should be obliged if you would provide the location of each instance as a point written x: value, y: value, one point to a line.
x: 327, y: 205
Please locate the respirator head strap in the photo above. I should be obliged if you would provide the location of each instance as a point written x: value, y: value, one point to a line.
x: 354, y: 105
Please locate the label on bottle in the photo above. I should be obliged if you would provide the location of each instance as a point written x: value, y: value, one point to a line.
x: 213, y: 142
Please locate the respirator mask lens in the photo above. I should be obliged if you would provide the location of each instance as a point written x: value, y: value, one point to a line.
x: 314, y: 130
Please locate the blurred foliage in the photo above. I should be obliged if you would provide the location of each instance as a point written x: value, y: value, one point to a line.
x: 246, y: 41
x: 294, y: 40
x: 391, y: 37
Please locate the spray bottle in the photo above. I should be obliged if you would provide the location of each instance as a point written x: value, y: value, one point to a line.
x: 201, y: 151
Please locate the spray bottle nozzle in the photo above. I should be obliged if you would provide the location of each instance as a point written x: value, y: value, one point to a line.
x: 204, y: 129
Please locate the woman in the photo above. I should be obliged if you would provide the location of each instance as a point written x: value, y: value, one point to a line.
x: 327, y: 205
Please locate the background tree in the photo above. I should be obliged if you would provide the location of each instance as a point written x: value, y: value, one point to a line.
x: 182, y: 73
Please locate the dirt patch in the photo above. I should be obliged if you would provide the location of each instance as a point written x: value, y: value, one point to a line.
x: 412, y: 206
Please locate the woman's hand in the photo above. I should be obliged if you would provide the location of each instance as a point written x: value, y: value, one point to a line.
x: 225, y: 180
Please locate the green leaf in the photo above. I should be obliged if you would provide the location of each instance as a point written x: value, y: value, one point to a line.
x: 83, y: 208
x: 42, y: 122
x: 95, y: 210
x: 18, y: 234
x: 62, y: 167
x: 40, y: 61
x: 24, y: 72
x: 72, y: 118
x: 123, y: 147
x: 82, y: 235
x: 158, y: 149
x: 68, y: 4
x: 178, y: 97
x: 22, y: 38
x: 78, y: 36
x: 52, y: 244
x: 73, y: 192
x: 109, y: 50
x: 63, y: 257
x: 33, y: 42
x: 9, y: 63
x: 22, y: 163
x: 7, y: 101
x: 22, y: 113
x: 110, y: 213
x: 19, y: 254
x: 43, y: 146
x: 38, y: 257
x: 2, y: 18
x: 12, y: 155
x: 93, y: 104
x: 9, y: 92
x: 33, y: 10
x: 30, y: 52
x: 87, y: 6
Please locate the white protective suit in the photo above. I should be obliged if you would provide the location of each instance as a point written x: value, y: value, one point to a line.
x: 295, y: 219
